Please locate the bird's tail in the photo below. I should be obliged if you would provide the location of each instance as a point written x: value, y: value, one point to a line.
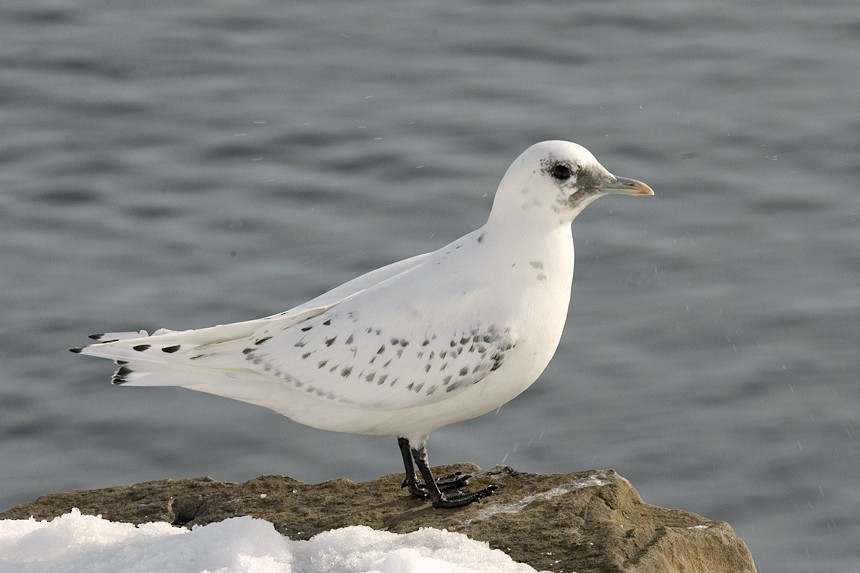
x: 188, y: 357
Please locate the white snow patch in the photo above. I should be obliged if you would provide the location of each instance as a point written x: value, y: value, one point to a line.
x: 75, y: 543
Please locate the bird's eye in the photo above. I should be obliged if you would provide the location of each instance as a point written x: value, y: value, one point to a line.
x: 560, y: 171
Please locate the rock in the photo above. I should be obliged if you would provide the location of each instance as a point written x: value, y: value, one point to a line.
x: 590, y: 521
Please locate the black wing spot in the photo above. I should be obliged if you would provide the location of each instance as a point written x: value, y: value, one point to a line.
x: 349, y: 340
x: 347, y: 370
x: 76, y: 350
x: 171, y: 349
x: 481, y: 238
x: 327, y: 322
x: 262, y: 340
x: 307, y: 328
x: 248, y: 351
x: 97, y: 336
x: 330, y: 341
x: 141, y: 347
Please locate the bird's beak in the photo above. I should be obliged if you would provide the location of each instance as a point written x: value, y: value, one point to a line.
x: 626, y: 186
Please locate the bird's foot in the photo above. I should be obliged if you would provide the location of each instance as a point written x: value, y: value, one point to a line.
x: 460, y: 499
x: 447, y: 483
x: 442, y: 492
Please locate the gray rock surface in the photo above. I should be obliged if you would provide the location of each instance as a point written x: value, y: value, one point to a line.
x: 586, y: 522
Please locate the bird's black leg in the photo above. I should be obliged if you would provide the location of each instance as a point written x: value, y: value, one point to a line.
x: 417, y: 488
x: 431, y: 488
x: 411, y: 481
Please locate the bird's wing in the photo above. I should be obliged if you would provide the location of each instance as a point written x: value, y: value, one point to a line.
x: 358, y: 284
x: 121, y: 345
x: 172, y: 347
x: 376, y: 351
x: 383, y: 347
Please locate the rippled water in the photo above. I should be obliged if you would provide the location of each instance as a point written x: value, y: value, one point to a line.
x: 183, y: 165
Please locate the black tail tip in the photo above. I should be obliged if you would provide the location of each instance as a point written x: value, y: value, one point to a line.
x: 97, y: 336
x: 120, y: 375
x: 76, y: 350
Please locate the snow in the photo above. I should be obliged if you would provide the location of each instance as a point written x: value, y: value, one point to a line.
x: 85, y: 543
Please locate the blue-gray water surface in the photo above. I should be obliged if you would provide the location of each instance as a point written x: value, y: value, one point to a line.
x: 187, y: 164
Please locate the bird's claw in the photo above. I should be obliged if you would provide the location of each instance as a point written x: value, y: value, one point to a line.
x: 446, y: 483
x: 461, y: 499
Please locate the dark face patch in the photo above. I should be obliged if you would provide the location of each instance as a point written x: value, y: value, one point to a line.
x: 565, y: 172
x: 559, y: 169
x: 590, y: 180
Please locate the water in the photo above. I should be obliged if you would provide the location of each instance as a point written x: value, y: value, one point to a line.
x: 181, y: 165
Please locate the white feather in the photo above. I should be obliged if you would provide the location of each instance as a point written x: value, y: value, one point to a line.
x: 412, y: 346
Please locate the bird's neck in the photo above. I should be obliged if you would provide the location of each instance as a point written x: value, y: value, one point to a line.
x: 548, y: 247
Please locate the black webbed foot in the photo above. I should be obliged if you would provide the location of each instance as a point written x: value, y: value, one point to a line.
x: 461, y: 499
x: 447, y: 483
x: 435, y: 488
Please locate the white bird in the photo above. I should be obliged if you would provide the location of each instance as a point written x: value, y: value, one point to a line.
x: 413, y: 346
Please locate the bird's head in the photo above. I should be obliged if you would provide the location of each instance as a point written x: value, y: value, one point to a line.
x: 557, y: 180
